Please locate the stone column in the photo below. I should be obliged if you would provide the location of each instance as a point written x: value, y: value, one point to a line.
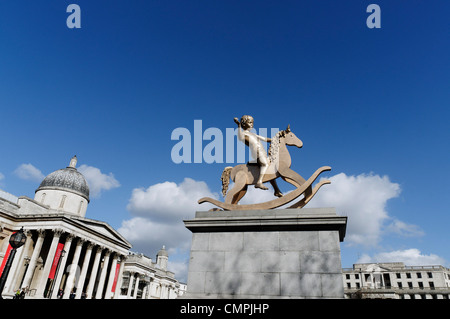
x: 153, y: 288
x: 136, y: 286
x: 62, y: 266
x: 101, y: 282
x: 112, y: 274
x: 73, y: 269
x: 34, y: 258
x: 93, y: 275
x: 163, y: 291
x: 144, y: 292
x: 130, y: 284
x: 48, y: 263
x: 84, y: 268
x: 120, y: 279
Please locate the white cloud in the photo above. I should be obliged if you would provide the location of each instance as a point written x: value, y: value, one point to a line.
x: 148, y: 237
x: 403, y: 229
x: 363, y: 199
x: 411, y: 257
x: 98, y: 181
x: 168, y: 201
x: 180, y: 268
x: 158, y: 212
x: 29, y: 172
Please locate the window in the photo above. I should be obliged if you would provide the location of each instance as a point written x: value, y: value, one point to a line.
x: 420, y: 284
x: 410, y: 284
x: 431, y: 284
x: 419, y: 275
x: 356, y: 276
x: 357, y: 285
x: 80, y: 207
x: 63, y: 199
x: 398, y: 275
x: 348, y: 285
x: 408, y: 275
x: 347, y: 276
x: 430, y: 274
x: 399, y: 284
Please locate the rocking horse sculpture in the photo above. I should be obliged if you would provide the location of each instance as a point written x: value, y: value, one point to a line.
x: 266, y: 169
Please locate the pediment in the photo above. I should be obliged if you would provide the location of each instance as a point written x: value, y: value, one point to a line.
x: 376, y: 268
x: 102, y: 229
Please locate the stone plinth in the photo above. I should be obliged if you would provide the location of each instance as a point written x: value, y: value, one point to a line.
x: 283, y: 253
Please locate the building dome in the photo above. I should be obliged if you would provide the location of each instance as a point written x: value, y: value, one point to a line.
x: 162, y: 252
x: 66, y: 179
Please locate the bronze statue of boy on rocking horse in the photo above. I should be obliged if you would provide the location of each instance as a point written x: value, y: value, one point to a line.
x: 266, y: 169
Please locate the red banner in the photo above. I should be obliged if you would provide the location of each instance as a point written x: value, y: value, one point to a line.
x: 5, y: 259
x: 113, y: 289
x: 56, y: 261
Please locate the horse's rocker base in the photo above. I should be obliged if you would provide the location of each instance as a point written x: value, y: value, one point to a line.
x: 304, y: 189
x: 278, y: 253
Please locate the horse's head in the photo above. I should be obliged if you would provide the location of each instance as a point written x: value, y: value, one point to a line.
x: 291, y: 139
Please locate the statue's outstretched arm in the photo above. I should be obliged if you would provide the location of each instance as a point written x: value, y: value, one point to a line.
x: 267, y: 139
x: 240, y: 134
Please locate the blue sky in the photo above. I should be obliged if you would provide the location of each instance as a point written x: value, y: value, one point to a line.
x: 371, y: 103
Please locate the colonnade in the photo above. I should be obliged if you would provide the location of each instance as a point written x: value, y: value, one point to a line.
x: 152, y: 288
x: 83, y: 268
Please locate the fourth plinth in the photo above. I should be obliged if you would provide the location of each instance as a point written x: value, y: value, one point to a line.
x: 279, y: 253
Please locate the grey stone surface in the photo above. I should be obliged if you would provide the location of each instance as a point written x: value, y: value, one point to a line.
x: 244, y: 261
x: 261, y: 240
x: 226, y: 241
x: 200, y: 241
x: 308, y: 240
x: 280, y: 261
x: 229, y: 259
x: 329, y: 241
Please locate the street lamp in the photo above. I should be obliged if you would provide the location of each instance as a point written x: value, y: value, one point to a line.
x: 16, y: 241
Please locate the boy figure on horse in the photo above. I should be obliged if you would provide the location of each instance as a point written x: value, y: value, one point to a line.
x: 269, y: 167
x: 253, y: 141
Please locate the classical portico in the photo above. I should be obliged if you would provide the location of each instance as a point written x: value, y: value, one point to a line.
x: 87, y: 267
x: 66, y: 255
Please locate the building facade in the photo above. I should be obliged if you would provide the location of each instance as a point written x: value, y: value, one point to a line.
x: 396, y: 281
x: 67, y: 255
x: 144, y: 279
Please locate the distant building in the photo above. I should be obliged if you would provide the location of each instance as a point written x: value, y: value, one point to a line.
x: 396, y: 281
x: 67, y: 255
x: 144, y: 279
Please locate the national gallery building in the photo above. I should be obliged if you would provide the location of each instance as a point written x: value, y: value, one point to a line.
x: 67, y: 255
